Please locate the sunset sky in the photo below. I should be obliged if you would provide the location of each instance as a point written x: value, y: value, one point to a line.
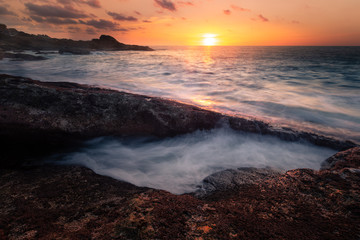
x: 185, y: 22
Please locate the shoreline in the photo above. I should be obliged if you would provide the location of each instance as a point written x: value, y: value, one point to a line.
x: 63, y: 114
x: 48, y: 201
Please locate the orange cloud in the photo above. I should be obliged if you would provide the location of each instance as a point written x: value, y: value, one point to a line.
x: 262, y: 18
x: 120, y: 17
x: 166, y: 4
x: 237, y: 8
x: 227, y: 12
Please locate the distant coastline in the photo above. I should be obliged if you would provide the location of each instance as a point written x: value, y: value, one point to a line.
x: 14, y: 40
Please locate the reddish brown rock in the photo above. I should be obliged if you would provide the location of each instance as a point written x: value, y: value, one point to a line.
x: 67, y: 202
x: 345, y: 159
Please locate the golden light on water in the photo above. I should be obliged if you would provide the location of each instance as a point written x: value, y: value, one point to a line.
x: 203, y: 102
x: 209, y: 39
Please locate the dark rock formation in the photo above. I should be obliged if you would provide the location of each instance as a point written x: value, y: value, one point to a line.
x: 106, y: 42
x: 67, y: 202
x: 11, y: 39
x: 22, y: 57
x: 234, y: 178
x: 345, y: 159
x: 74, y: 51
x: 41, y: 116
x: 44, y: 116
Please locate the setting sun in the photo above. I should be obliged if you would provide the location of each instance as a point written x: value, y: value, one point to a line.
x: 209, y: 39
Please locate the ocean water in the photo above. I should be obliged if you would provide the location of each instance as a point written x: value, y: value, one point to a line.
x: 314, y: 89
x: 179, y: 164
x: 310, y: 88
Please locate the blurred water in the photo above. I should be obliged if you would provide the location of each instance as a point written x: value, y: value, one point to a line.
x: 180, y: 163
x: 312, y: 88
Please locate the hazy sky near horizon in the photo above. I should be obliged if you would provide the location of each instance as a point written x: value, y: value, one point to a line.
x: 184, y: 22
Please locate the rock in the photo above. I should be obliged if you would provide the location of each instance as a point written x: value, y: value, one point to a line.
x: 40, y: 116
x: 234, y: 178
x: 44, y: 116
x: 345, y: 159
x: 11, y: 40
x: 70, y: 202
x: 74, y: 51
x: 23, y: 57
x: 106, y: 42
x: 3, y: 28
x: 47, y: 52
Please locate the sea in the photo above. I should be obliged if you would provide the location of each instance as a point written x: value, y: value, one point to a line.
x: 314, y: 89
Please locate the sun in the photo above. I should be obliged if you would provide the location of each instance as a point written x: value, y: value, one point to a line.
x: 209, y: 39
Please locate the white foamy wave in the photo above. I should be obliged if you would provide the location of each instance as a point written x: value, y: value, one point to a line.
x: 179, y: 164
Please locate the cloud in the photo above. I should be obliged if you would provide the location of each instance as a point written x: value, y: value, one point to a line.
x: 166, y: 4
x: 185, y: 3
x: 120, y: 17
x: 91, y: 31
x: 147, y: 21
x: 54, y: 11
x: 237, y: 8
x: 100, y: 24
x: 138, y: 13
x: 53, y: 20
x: 74, y: 29
x: 262, y: 18
x: 5, y: 11
x: 104, y: 25
x: 295, y: 22
x: 227, y: 12
x: 91, y: 3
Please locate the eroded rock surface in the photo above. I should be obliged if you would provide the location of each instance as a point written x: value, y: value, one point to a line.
x: 234, y: 178
x: 68, y: 202
x: 345, y: 159
x: 45, y: 116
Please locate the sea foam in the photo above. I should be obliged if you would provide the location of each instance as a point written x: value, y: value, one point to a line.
x: 180, y: 163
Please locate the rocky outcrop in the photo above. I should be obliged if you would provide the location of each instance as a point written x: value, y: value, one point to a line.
x: 11, y: 39
x: 74, y: 51
x: 45, y: 116
x: 22, y: 57
x: 69, y: 202
x: 345, y: 159
x: 233, y: 179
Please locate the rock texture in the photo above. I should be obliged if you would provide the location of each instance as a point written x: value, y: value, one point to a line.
x: 45, y: 116
x: 345, y: 159
x: 69, y: 202
x: 233, y: 179
x: 11, y: 39
x: 21, y: 57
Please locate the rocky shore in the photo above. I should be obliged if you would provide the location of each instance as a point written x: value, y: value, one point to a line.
x: 43, y: 117
x: 14, y: 40
x: 72, y: 202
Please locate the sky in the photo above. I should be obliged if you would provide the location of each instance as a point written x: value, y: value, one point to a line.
x: 186, y: 22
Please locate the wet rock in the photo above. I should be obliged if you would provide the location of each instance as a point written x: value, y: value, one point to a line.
x: 74, y: 51
x: 40, y: 116
x: 23, y: 57
x: 233, y: 179
x: 44, y: 116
